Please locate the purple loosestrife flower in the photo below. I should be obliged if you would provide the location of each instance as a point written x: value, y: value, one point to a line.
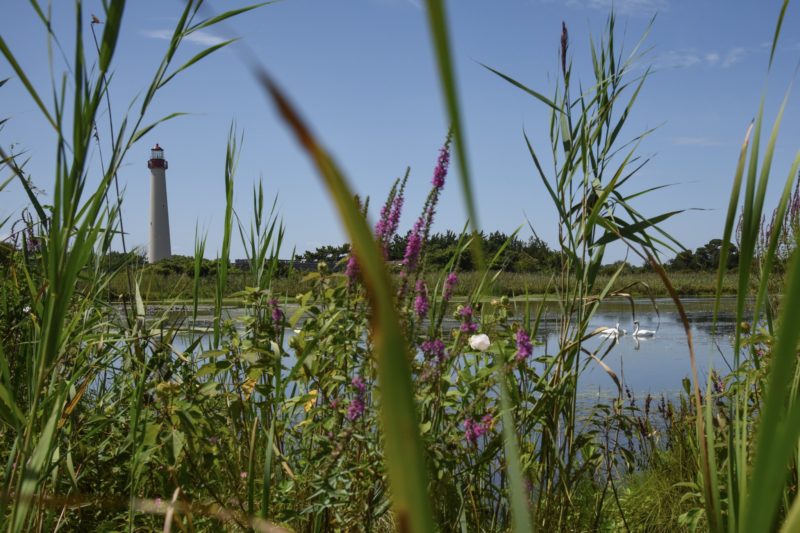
x: 440, y: 171
x: 467, y: 325
x: 449, y: 285
x: 382, y: 224
x: 413, y: 247
x: 394, y: 216
x: 474, y: 430
x: 390, y: 215
x: 355, y: 409
x: 433, y: 348
x: 357, y: 405
x: 277, y: 314
x: 352, y: 270
x: 421, y: 300
x: 359, y: 384
x: 524, y: 346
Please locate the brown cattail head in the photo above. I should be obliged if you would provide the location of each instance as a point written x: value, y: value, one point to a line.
x: 564, y: 44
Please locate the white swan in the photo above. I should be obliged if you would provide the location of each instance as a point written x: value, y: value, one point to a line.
x: 612, y: 332
x: 642, y: 332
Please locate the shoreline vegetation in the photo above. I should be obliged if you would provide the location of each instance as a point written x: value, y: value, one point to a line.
x: 179, y: 287
x: 373, y: 416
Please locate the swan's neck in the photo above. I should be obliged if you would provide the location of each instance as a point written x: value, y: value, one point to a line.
x: 636, y: 329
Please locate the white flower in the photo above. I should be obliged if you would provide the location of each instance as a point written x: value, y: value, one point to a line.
x: 479, y: 342
x: 26, y: 309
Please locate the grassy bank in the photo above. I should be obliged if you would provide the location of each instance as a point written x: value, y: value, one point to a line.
x: 161, y: 287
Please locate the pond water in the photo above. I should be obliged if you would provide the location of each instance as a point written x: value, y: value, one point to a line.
x: 657, y: 365
x: 654, y: 365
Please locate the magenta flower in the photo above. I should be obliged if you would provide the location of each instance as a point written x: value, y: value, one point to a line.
x: 390, y: 215
x: 467, y: 325
x: 359, y: 384
x: 351, y: 271
x: 355, y: 409
x: 440, y: 171
x: 433, y: 348
x: 524, y: 346
x: 421, y: 300
x: 474, y: 430
x: 394, y: 215
x: 381, y: 225
x: 449, y: 285
x: 413, y: 246
x: 277, y: 314
x: 357, y: 405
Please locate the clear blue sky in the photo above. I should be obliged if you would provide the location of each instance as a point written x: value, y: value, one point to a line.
x: 362, y: 72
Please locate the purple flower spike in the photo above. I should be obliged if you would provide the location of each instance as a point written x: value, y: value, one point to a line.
x: 277, y: 314
x: 449, y: 285
x: 524, y: 346
x: 469, y: 327
x: 440, y: 171
x: 421, y: 300
x: 351, y: 271
x: 358, y: 383
x: 357, y: 405
x: 394, y: 216
x: 413, y: 246
x: 355, y: 409
x: 474, y: 430
x: 433, y: 348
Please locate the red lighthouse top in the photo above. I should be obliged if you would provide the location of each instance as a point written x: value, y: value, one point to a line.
x: 157, y: 158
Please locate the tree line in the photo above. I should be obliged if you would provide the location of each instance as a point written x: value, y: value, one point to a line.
x: 531, y: 255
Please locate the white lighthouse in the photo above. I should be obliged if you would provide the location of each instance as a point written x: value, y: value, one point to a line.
x: 159, y: 211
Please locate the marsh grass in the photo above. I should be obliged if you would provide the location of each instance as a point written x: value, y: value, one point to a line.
x: 374, y: 416
x: 156, y: 287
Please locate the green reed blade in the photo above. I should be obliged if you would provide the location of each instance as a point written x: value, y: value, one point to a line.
x: 437, y: 19
x: 777, y: 32
x: 779, y: 425
x: 265, y: 492
x: 113, y: 24
x: 197, y: 57
x: 224, y: 16
x: 26, y: 82
x: 539, y: 96
x: 777, y: 231
x: 519, y: 499
x: 141, y: 132
x: 404, y: 453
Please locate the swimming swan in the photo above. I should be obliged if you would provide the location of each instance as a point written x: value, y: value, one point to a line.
x: 612, y: 332
x: 642, y: 332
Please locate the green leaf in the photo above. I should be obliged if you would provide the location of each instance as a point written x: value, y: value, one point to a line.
x: 515, y: 83
x: 26, y: 82
x: 138, y: 134
x: 405, y: 459
x: 438, y: 25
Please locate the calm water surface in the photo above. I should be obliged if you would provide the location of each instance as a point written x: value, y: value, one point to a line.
x: 649, y: 365
x: 658, y: 364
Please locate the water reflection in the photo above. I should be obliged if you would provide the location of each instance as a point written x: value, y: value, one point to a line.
x: 647, y: 365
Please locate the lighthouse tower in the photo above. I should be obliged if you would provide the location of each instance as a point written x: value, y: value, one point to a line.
x: 159, y: 212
